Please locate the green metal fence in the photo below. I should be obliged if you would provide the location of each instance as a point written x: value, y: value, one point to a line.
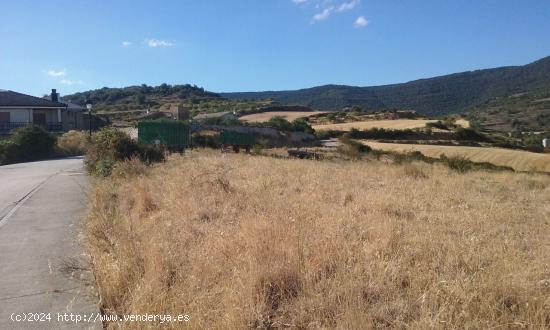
x: 237, y: 139
x: 169, y: 133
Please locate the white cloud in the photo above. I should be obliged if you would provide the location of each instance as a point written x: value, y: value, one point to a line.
x: 126, y: 43
x: 324, y: 14
x: 347, y: 6
x: 71, y: 82
x: 299, y: 1
x: 360, y: 22
x: 59, y: 73
x: 158, y: 43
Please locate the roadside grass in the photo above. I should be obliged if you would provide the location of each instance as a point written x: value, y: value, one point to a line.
x: 238, y: 241
x: 72, y: 143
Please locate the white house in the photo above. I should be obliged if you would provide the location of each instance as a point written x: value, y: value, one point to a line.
x: 17, y: 109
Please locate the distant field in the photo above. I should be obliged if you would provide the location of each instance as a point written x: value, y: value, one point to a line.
x: 518, y: 160
x: 288, y: 115
x: 463, y: 122
x: 388, y: 124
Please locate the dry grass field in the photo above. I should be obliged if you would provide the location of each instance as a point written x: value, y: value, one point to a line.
x: 238, y: 242
x: 463, y: 122
x: 517, y: 159
x: 387, y: 124
x: 288, y: 115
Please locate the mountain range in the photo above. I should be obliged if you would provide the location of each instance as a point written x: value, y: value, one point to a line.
x: 513, y: 97
x: 449, y: 94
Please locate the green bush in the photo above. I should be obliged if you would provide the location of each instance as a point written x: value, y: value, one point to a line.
x: 325, y: 135
x: 302, y: 125
x: 470, y: 134
x: 110, y: 145
x: 279, y: 123
x: 103, y: 167
x: 8, y: 152
x: 27, y: 144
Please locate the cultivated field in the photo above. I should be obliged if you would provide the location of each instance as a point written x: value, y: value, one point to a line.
x: 288, y: 115
x: 517, y: 159
x: 387, y: 124
x: 238, y: 241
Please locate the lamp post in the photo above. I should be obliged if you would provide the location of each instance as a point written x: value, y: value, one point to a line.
x: 89, y: 107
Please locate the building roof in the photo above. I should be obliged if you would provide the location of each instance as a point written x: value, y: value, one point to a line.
x: 213, y: 115
x: 14, y: 99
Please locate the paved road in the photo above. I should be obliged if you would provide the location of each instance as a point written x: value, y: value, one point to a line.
x: 42, y: 267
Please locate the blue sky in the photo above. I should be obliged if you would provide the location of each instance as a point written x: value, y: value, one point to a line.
x: 251, y: 45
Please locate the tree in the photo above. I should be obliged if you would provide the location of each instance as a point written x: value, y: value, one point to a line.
x: 140, y: 98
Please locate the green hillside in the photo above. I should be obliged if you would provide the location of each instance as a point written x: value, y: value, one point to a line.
x: 528, y: 111
x: 140, y: 97
x: 499, y: 99
x: 130, y: 102
x: 443, y: 95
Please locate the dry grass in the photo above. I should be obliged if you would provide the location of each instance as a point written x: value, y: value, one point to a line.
x: 387, y: 124
x: 238, y: 241
x: 516, y: 159
x: 72, y: 143
x: 288, y: 115
x: 463, y: 122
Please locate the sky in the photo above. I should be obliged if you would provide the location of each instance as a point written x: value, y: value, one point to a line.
x: 254, y: 45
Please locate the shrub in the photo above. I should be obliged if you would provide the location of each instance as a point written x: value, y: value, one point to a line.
x: 27, y: 143
x: 110, y: 145
x: 103, y: 167
x: 352, y: 148
x: 205, y: 141
x: 8, y: 152
x: 457, y: 163
x: 279, y: 123
x: 408, y: 157
x: 72, y: 143
x: 149, y: 154
x: 438, y: 124
x: 302, y: 125
x: 381, y: 133
x: 470, y: 134
x: 324, y: 135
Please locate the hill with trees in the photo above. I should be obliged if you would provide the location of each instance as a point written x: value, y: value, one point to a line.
x: 455, y: 93
x: 140, y: 97
x: 527, y: 111
x: 507, y: 98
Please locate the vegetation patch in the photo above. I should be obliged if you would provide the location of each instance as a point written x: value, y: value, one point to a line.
x: 27, y: 144
x: 109, y: 146
x: 257, y: 242
x: 72, y: 143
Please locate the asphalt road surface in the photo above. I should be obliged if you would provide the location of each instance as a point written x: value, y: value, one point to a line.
x: 44, y: 275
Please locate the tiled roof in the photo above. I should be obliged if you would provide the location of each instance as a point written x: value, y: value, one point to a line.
x: 14, y: 99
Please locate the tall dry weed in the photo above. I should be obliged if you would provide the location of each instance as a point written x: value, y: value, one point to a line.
x: 237, y: 242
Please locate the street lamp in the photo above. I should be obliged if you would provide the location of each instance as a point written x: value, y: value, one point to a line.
x: 89, y: 107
